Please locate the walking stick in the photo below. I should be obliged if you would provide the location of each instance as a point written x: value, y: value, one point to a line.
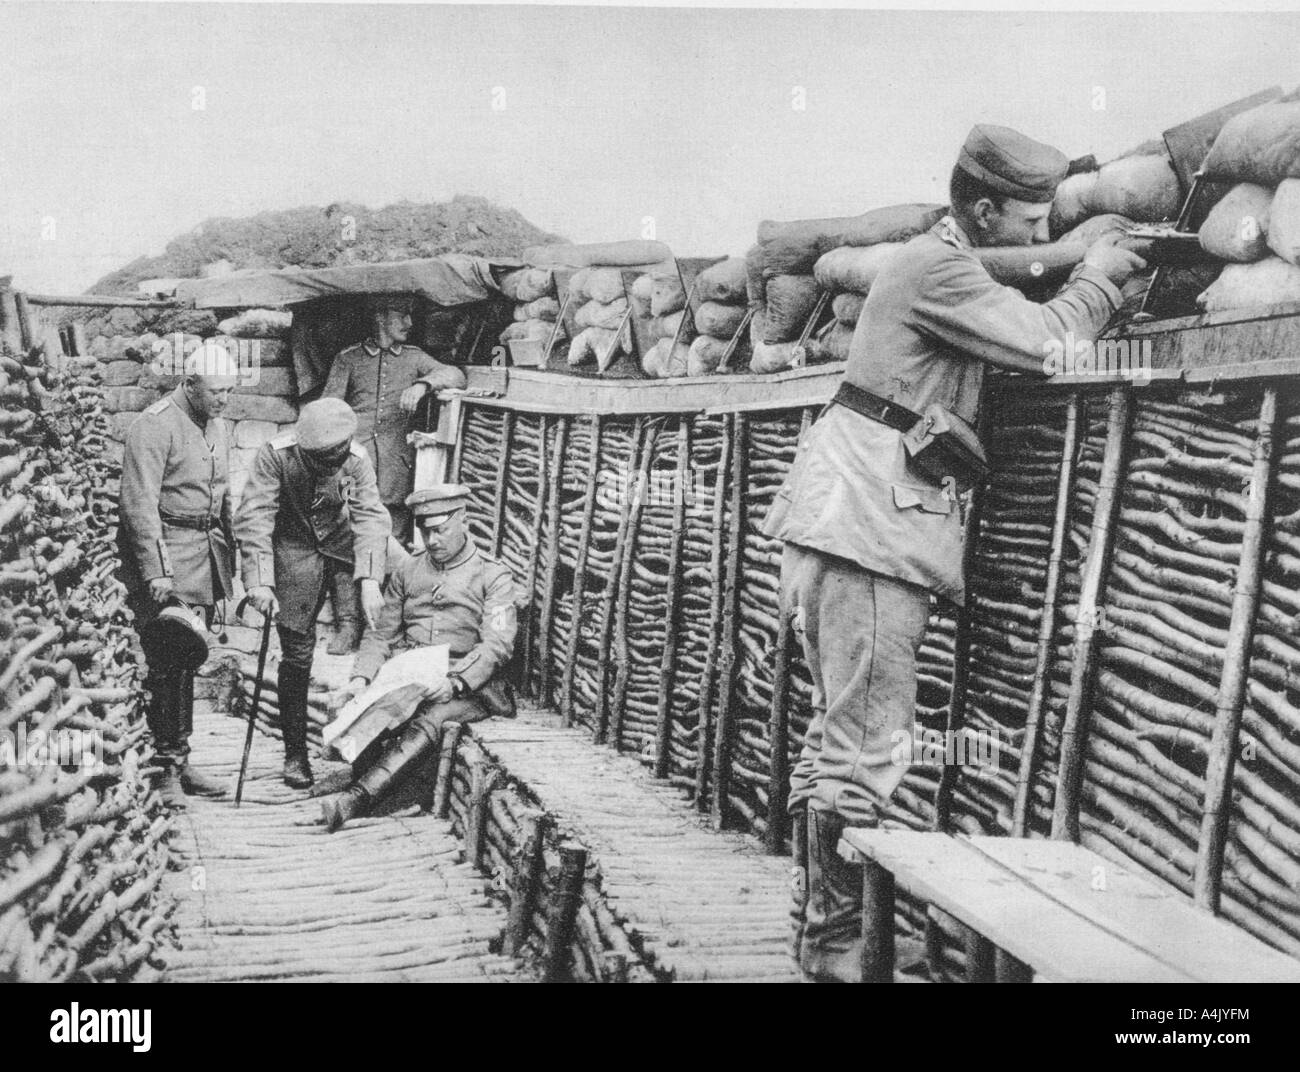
x: 257, y: 697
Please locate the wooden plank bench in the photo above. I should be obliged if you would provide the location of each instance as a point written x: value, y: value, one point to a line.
x: 1060, y: 910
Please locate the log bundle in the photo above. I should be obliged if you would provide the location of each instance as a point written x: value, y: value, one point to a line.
x: 1112, y: 604
x: 82, y: 834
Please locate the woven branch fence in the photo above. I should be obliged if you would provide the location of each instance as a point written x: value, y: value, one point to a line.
x: 1126, y: 672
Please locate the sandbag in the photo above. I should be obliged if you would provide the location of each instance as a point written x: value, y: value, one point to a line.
x: 853, y: 268
x: 705, y: 355
x: 121, y: 373
x: 848, y: 307
x: 541, y: 309
x: 663, y: 359
x: 257, y: 324
x: 1142, y: 188
x: 790, y: 301
x: 665, y: 327
x: 597, y: 284
x: 1261, y: 145
x: 832, y: 343
x: 1271, y: 281
x: 597, y: 314
x: 792, y: 248
x: 529, y: 330
x: 771, y: 357
x: 722, y: 282
x: 715, y: 318
x: 1284, y: 222
x: 640, y: 293
x: 1236, y: 228
x: 598, y: 344
x: 667, y: 295
x: 628, y: 254
x: 528, y: 284
x: 755, y: 283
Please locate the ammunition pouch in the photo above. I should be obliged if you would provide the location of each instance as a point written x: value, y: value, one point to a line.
x: 943, y: 446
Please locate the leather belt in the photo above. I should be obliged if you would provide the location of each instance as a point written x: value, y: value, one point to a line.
x: 873, y: 406
x: 199, y: 524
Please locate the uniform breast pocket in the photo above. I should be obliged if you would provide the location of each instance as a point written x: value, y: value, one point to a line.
x: 926, y: 500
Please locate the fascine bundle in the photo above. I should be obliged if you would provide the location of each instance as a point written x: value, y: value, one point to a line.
x: 536, y: 308
x: 1256, y: 225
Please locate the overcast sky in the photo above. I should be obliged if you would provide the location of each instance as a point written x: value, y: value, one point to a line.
x: 587, y: 120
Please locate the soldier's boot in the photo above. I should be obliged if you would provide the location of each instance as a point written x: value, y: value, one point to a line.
x: 170, y: 788
x: 200, y: 785
x: 798, y: 879
x: 292, y: 685
x: 832, y: 937
x: 337, y: 810
x: 192, y: 782
x: 162, y: 715
x: 347, y: 636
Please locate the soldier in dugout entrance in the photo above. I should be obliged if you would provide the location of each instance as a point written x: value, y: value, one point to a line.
x: 448, y: 593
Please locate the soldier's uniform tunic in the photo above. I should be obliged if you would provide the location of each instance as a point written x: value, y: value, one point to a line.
x: 296, y: 529
x: 371, y: 379
x: 175, y: 521
x: 867, y: 535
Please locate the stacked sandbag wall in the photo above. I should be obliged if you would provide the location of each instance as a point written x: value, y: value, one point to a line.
x: 536, y: 309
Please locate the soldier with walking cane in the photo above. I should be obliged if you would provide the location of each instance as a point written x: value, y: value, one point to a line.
x: 310, y: 513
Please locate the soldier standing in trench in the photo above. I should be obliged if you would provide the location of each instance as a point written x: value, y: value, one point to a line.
x: 310, y: 519
x: 175, y: 543
x: 383, y: 380
x: 869, y: 513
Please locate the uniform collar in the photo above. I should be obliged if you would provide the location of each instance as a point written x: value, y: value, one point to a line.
x: 374, y: 349
x: 182, y: 402
x: 462, y: 556
x: 950, y: 231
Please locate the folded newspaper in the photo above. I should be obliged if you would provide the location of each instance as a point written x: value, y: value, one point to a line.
x: 364, y: 718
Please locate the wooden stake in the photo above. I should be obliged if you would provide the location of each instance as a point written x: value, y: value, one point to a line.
x: 1047, y: 626
x: 528, y: 879
x: 534, y: 553
x: 1074, y: 730
x: 627, y: 548
x: 668, y: 664
x: 607, y: 610
x: 562, y: 913
x: 727, y: 660
x: 499, y: 493
x: 446, y: 762
x: 877, y: 923
x: 715, y: 622
x: 580, y: 572
x: 552, y: 561
x: 1208, y: 878
x: 482, y: 780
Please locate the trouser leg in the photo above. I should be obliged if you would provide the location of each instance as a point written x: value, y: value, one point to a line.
x: 831, y: 951
x: 401, y: 518
x: 291, y: 685
x: 798, y: 880
x: 165, y: 714
x: 414, y: 744
x: 347, y: 610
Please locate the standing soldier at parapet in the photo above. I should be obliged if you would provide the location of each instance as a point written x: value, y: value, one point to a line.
x: 383, y: 380
x: 450, y: 593
x: 176, y: 546
x: 310, y: 514
x: 870, y: 512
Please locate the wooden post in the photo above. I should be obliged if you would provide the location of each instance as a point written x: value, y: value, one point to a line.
x: 482, y: 781
x: 1208, y: 877
x: 446, y: 764
x: 500, y: 492
x: 80, y: 345
x: 458, y: 443
x: 627, y: 545
x: 528, y: 879
x: 979, y: 958
x: 877, y: 923
x: 1047, y: 625
x: 563, y: 911
x: 607, y: 610
x: 1074, y: 730
x: 668, y: 664
x: 534, y: 553
x: 727, y: 660
x: 26, y: 323
x: 715, y: 622
x: 580, y: 573
x: 552, y: 562
x: 10, y: 333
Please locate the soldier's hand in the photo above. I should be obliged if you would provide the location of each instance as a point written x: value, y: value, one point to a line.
x: 351, y: 690
x: 439, y: 693
x: 262, y: 598
x: 412, y: 395
x: 372, y: 601
x: 1118, y: 263
x: 161, y: 589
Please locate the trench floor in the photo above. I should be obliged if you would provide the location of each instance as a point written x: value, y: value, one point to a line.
x: 265, y: 894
